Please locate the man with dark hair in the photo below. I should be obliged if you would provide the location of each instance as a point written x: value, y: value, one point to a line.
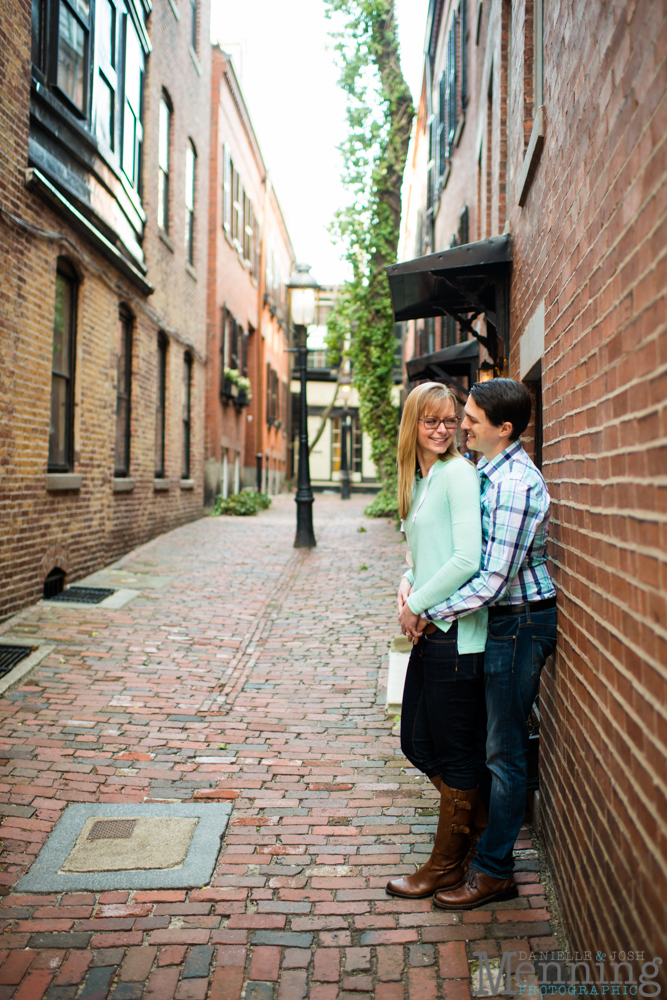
x: 514, y: 583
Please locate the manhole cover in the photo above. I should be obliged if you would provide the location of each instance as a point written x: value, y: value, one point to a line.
x: 112, y: 829
x: 85, y: 595
x: 10, y: 656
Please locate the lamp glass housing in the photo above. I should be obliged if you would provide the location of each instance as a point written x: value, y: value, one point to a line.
x: 486, y: 372
x: 303, y: 306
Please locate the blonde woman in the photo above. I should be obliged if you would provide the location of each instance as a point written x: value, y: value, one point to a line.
x: 443, y: 700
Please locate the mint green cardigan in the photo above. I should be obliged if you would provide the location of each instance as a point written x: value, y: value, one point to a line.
x: 445, y: 540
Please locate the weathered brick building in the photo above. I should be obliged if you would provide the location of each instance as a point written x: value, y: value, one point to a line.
x: 104, y: 124
x: 250, y: 259
x: 542, y: 130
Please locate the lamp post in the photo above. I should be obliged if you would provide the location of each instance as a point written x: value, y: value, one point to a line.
x: 302, y: 287
x: 344, y: 458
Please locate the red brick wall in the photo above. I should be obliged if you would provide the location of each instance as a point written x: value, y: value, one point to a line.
x: 83, y: 530
x: 591, y: 241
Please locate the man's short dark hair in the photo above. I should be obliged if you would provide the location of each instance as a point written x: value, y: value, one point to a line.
x: 503, y: 399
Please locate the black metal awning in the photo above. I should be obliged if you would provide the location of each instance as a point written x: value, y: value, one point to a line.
x: 464, y: 282
x: 447, y: 365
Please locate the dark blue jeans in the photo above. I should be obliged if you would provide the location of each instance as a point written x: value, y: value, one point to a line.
x: 442, y: 701
x: 516, y: 650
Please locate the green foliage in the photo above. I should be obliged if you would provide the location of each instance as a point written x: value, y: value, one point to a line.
x: 379, y: 116
x: 363, y: 567
x: 241, y: 504
x: 384, y: 505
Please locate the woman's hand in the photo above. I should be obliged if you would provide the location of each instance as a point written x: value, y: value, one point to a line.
x: 410, y: 623
x: 404, y: 591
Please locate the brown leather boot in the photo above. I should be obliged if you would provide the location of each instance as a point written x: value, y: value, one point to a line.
x: 475, y: 890
x: 480, y: 821
x: 443, y: 869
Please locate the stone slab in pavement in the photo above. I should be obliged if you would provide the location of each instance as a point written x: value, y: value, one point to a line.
x: 254, y: 677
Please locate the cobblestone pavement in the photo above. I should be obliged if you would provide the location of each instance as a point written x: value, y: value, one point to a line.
x: 274, y: 659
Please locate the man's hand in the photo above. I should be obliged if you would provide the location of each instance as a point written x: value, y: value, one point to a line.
x: 404, y: 591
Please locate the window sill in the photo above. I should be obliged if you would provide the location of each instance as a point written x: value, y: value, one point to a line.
x: 121, y: 484
x: 161, y: 485
x: 187, y: 484
x: 191, y: 271
x: 167, y: 242
x: 533, y: 154
x: 57, y: 481
x: 195, y: 60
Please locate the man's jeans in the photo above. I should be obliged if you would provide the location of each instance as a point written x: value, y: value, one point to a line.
x: 516, y: 650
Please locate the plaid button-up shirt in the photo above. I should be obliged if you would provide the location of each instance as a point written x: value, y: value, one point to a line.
x: 515, y: 521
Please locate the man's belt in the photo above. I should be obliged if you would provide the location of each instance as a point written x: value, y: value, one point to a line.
x: 498, y: 610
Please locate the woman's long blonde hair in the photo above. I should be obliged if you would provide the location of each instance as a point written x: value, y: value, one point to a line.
x: 427, y: 398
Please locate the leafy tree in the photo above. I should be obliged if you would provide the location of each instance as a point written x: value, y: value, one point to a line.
x: 379, y: 116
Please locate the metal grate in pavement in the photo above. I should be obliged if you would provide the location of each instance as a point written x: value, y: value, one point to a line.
x: 85, y: 595
x: 112, y: 829
x: 11, y: 655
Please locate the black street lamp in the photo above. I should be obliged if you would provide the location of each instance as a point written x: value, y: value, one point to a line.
x: 303, y: 286
x: 344, y: 456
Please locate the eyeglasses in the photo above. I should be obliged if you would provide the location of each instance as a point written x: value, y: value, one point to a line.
x: 432, y: 423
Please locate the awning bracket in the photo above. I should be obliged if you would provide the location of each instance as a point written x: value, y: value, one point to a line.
x: 470, y: 297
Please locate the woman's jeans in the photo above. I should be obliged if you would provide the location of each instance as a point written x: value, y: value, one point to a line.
x: 443, y: 700
x: 516, y: 650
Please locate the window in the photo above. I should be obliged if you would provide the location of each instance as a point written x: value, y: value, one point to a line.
x: 442, y: 127
x: 37, y: 47
x: 233, y: 343
x: 190, y: 168
x: 106, y: 83
x: 186, y: 400
x: 132, y: 129
x: 272, y: 394
x: 463, y: 16
x: 353, y: 449
x: 538, y: 60
x: 164, y: 145
x: 160, y: 405
x: 227, y: 171
x: 193, y: 24
x: 247, y: 227
x: 61, y: 430
x: 224, y: 349
x: 123, y: 394
x: 237, y: 209
x: 452, y: 116
x: 73, y: 52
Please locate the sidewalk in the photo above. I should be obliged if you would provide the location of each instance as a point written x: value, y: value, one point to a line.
x: 241, y: 646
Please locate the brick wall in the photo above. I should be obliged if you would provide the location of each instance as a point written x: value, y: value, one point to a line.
x: 81, y: 530
x: 590, y: 242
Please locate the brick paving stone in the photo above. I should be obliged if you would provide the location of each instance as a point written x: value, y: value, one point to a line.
x: 138, y: 963
x: 15, y: 966
x: 265, y: 964
x: 34, y: 985
x: 293, y: 985
x: 192, y: 989
x: 198, y: 962
x: 97, y: 984
x: 280, y: 678
x: 226, y: 983
x: 127, y: 991
x: 326, y: 965
x: 259, y: 991
x: 74, y: 968
x: 161, y: 984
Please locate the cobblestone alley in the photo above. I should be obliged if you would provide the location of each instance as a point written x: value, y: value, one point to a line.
x: 272, y: 660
